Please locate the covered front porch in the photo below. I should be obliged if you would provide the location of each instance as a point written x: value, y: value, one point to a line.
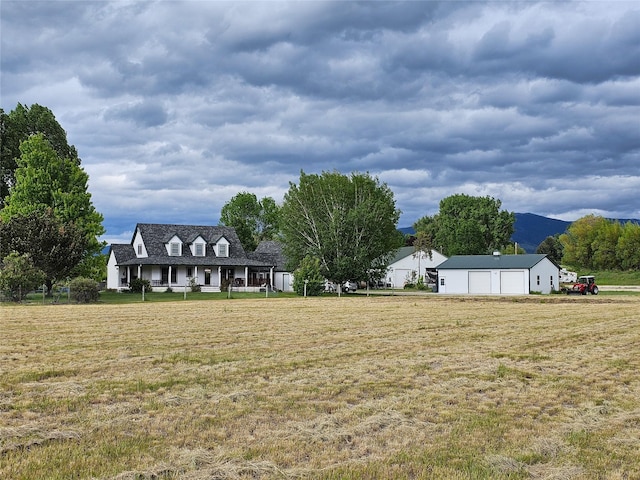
x: 208, y: 278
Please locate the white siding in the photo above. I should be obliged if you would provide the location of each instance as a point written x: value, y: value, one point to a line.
x: 398, y: 272
x: 283, y: 281
x: 139, y: 246
x: 113, y: 278
x: 549, y: 277
x: 456, y: 281
x: 198, y: 241
x: 175, y: 240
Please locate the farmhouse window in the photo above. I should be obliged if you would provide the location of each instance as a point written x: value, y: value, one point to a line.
x: 199, y: 250
x: 538, y: 279
x: 165, y: 275
x: 222, y: 250
x: 175, y: 249
x: 189, y: 272
x: 139, y: 249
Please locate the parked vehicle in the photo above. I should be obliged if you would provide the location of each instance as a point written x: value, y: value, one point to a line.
x: 567, y: 276
x: 585, y: 284
x: 349, y: 286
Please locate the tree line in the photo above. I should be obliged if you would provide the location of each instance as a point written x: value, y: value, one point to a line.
x: 596, y: 243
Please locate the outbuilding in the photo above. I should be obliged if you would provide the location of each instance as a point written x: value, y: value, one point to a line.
x: 498, y: 274
x: 408, y: 264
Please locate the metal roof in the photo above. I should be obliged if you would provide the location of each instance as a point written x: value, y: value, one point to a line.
x: 474, y: 262
x: 404, y: 252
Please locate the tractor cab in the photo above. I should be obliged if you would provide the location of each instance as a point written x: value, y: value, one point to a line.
x: 585, y: 284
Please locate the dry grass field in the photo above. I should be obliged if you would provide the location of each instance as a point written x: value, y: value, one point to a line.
x: 325, y: 388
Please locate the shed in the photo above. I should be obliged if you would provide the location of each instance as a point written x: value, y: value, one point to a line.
x: 498, y: 274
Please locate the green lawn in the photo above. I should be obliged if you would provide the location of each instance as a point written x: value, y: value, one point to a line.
x: 611, y: 277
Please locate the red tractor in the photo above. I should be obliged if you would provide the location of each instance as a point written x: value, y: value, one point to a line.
x: 585, y: 284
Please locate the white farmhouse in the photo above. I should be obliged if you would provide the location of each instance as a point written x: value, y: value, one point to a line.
x: 498, y: 274
x: 174, y: 256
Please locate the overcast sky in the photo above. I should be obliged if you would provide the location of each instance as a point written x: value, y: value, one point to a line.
x: 175, y: 107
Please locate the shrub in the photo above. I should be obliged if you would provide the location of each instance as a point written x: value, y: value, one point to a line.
x: 18, y: 276
x: 308, y: 270
x: 410, y: 280
x: 194, y: 285
x: 84, y: 290
x: 136, y: 285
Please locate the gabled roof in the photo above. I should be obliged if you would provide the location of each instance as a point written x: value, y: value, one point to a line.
x: 404, y: 252
x: 270, y: 251
x: 156, y: 235
x: 472, y: 262
x: 123, y: 252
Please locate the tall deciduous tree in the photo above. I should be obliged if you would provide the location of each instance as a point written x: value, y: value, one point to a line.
x: 578, y: 240
x: 467, y: 225
x: 347, y: 222
x: 605, y: 244
x: 629, y: 247
x: 54, y: 247
x: 18, y: 126
x: 253, y: 220
x: 46, y: 181
x: 552, y: 247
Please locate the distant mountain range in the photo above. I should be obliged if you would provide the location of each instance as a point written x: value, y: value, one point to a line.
x: 531, y: 229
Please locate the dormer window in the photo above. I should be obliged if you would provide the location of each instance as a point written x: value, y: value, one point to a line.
x: 175, y: 249
x: 221, y: 247
x: 198, y: 246
x: 138, y: 244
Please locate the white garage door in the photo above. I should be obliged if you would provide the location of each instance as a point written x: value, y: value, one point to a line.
x: 479, y: 282
x: 512, y: 282
x: 400, y: 277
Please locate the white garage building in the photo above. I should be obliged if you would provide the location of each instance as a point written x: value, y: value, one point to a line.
x: 498, y: 274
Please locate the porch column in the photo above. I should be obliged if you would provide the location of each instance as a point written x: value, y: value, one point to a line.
x: 271, y: 276
x: 140, y: 271
x: 196, y: 272
x: 128, y: 274
x: 220, y: 278
x: 170, y: 267
x: 246, y: 276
